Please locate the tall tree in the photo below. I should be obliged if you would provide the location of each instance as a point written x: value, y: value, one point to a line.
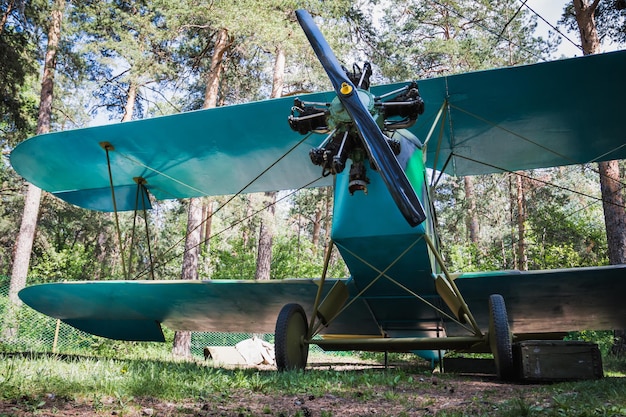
x: 26, y: 235
x: 472, y: 218
x: 128, y: 46
x: 610, y: 183
x: 16, y: 63
x: 520, y: 204
x: 182, y: 339
x: 266, y: 229
x: 425, y: 39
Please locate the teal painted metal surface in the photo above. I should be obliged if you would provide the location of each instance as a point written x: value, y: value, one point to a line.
x: 185, y: 155
x: 517, y: 118
x: 127, y: 310
x: 538, y: 301
x: 557, y: 300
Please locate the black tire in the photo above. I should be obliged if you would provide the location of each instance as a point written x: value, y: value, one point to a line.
x: 500, y: 340
x: 291, y: 330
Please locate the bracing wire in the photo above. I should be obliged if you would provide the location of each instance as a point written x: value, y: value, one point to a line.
x: 525, y: 4
x: 229, y: 227
x: 532, y: 142
x: 230, y: 199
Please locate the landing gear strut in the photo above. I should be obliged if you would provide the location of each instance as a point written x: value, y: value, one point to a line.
x: 290, y: 346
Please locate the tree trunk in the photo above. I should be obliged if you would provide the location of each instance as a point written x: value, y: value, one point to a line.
x: 192, y: 240
x: 26, y: 235
x: 5, y: 16
x: 207, y: 218
x: 266, y: 230
x: 222, y: 43
x: 328, y: 206
x: 317, y: 228
x: 587, y: 25
x: 614, y: 215
x: 266, y: 237
x: 472, y: 220
x: 182, y: 339
x: 521, y: 224
x: 131, y: 99
x: 610, y: 182
x: 101, y: 253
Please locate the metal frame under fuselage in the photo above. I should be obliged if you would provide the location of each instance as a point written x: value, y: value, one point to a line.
x: 393, y: 266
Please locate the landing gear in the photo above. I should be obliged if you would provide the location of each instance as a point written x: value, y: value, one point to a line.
x: 500, y: 340
x: 291, y: 331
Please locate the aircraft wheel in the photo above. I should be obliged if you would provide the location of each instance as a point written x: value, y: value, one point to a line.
x: 500, y: 340
x: 291, y: 330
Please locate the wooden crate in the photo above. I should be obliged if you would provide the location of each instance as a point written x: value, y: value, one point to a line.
x: 544, y: 360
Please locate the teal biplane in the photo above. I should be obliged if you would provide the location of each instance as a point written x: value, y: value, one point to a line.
x: 399, y: 295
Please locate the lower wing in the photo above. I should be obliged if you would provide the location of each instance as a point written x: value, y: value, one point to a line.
x: 134, y: 310
x: 559, y: 300
x: 537, y: 302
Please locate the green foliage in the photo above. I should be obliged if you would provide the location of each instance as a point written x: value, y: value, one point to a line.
x: 67, y: 264
x: 563, y: 222
x: 16, y: 65
x: 236, y: 261
x: 422, y: 40
x: 604, y: 339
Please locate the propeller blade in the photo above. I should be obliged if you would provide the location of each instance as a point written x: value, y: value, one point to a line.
x: 375, y: 141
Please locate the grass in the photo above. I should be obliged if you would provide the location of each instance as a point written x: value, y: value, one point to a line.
x: 123, y: 384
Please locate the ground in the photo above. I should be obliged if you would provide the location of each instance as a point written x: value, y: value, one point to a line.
x: 425, y: 395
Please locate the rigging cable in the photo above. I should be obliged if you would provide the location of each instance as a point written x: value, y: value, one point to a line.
x: 524, y: 3
x: 173, y: 246
x: 229, y: 227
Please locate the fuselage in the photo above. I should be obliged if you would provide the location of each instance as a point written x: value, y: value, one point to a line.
x: 385, y: 255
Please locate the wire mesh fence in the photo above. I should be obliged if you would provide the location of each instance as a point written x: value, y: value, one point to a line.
x: 31, y: 331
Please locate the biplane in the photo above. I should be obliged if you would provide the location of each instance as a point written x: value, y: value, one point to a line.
x: 383, y: 149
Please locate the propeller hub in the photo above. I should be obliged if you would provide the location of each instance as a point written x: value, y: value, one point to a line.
x: 346, y: 89
x: 338, y: 113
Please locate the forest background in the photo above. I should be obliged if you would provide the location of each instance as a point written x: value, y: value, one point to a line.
x: 126, y: 60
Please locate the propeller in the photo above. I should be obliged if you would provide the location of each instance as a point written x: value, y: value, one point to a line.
x: 373, y: 138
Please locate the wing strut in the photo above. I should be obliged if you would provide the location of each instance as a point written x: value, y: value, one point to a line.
x: 140, y: 197
x: 383, y: 273
x: 450, y: 293
x: 107, y: 149
x: 141, y: 191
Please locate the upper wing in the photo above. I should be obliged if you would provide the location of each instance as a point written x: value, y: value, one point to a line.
x: 209, y: 152
x: 498, y: 120
x: 549, y: 114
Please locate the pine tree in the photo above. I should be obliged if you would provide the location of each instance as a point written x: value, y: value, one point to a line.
x: 26, y: 235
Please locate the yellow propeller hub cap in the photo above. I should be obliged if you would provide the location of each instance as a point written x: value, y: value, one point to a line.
x: 345, y: 89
